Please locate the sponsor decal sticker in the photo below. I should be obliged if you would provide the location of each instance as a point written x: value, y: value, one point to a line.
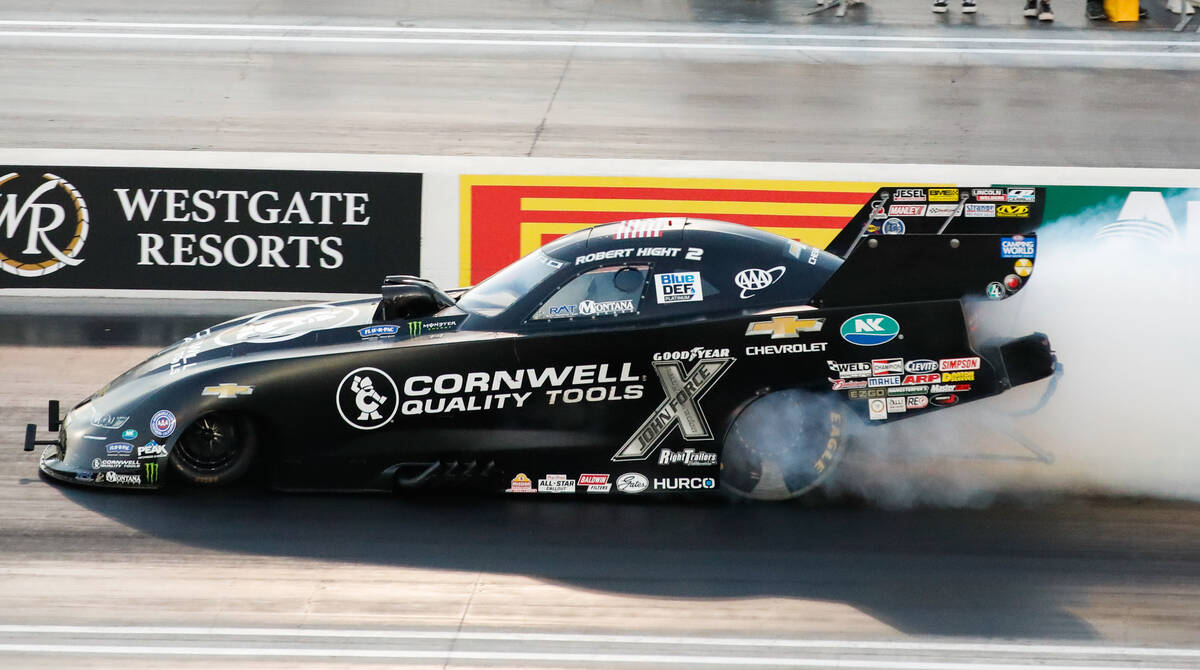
x: 887, y: 366
x: 366, y: 398
x: 629, y: 230
x: 162, y: 424
x: 1011, y: 211
x: 785, y: 327
x: 753, y: 280
x: 771, y: 349
x: 968, y: 363
x: 109, y: 421
x: 129, y: 434
x: 978, y: 210
x: 381, y: 330
x: 917, y: 401
x: 118, y: 463
x: 632, y: 482
x: 1020, y: 195
x: 686, y: 457
x: 416, y: 328
x: 556, y: 484
x: 695, y: 353
x: 921, y: 379
x: 227, y: 390
x: 942, y: 210
x: 907, y: 390
x: 151, y: 449
x: 988, y: 194
x: 877, y: 408
x: 1023, y: 267
x: 481, y: 391
x: 866, y: 393
x: 920, y: 365
x: 118, y: 449
x: 957, y: 377
x: 846, y: 384
x: 850, y: 370
x: 595, y: 483
x: 685, y: 484
x: 593, y: 308
x: 906, y: 210
x: 520, y: 484
x: 944, y: 399
x: 1018, y: 247
x: 285, y: 324
x: 681, y: 406
x: 150, y: 472
x: 869, y: 330
x: 995, y: 290
x: 1012, y: 283
x: 896, y: 405
x: 943, y: 195
x: 893, y: 227
x: 908, y: 195
x: 678, y: 287
x: 890, y: 380
x: 118, y: 478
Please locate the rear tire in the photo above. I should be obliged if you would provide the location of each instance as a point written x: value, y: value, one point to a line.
x: 215, y: 450
x: 782, y: 445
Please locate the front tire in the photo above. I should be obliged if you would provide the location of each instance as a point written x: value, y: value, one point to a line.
x: 782, y: 445
x: 215, y: 450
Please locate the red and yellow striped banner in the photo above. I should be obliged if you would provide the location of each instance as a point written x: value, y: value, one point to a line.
x: 505, y: 217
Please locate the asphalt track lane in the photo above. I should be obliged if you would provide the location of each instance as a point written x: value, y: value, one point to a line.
x: 1111, y: 573
x: 648, y: 99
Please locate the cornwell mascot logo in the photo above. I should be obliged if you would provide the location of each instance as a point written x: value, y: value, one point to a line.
x: 42, y: 229
x: 366, y: 398
x: 681, y: 406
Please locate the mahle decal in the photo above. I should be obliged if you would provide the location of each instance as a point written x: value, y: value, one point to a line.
x: 869, y: 330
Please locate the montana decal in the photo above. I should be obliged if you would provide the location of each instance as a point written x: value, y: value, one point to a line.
x: 680, y: 407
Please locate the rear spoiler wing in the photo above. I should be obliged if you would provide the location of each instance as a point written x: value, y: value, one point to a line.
x: 920, y: 243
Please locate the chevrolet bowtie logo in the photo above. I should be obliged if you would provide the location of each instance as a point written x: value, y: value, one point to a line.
x: 784, y: 327
x: 228, y: 390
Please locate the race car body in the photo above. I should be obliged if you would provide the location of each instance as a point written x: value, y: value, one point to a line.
x: 615, y: 360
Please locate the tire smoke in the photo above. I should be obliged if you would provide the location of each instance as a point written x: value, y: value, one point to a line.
x: 1118, y: 299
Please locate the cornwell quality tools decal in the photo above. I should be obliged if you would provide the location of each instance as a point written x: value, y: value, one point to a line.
x: 680, y: 407
x: 366, y: 398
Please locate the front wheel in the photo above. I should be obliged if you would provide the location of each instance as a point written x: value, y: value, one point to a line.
x: 216, y: 449
x: 782, y: 445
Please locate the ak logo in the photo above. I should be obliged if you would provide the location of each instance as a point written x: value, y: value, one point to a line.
x: 680, y: 407
x: 151, y: 472
x: 869, y: 330
x: 43, y: 230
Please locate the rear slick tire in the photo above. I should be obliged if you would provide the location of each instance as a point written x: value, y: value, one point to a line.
x: 217, y: 449
x: 782, y: 445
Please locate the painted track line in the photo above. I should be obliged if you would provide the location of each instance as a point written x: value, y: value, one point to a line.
x: 778, y: 643
x: 1173, y: 55
x: 1192, y: 44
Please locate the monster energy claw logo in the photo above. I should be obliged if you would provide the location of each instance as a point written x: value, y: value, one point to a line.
x: 151, y: 471
x: 414, y: 328
x: 34, y: 226
x: 681, y: 406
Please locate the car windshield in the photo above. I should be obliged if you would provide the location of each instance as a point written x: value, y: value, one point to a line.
x: 496, y: 293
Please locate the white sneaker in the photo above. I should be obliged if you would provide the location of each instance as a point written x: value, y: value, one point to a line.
x: 968, y: 6
x: 940, y: 6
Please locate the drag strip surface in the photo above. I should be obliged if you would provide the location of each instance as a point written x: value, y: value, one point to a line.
x: 277, y: 580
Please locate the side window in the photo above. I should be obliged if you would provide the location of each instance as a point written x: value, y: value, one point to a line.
x: 603, y: 292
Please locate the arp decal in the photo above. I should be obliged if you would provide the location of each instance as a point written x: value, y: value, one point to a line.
x: 681, y: 406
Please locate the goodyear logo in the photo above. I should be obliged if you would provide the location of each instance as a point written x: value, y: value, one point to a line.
x: 943, y: 195
x: 784, y: 327
x: 1012, y: 210
x: 869, y: 330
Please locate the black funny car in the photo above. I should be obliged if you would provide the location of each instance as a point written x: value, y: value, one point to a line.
x: 621, y: 359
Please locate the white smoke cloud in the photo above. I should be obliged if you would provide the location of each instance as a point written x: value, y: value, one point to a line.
x: 1120, y: 308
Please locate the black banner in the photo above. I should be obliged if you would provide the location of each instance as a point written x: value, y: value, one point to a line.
x: 207, y: 229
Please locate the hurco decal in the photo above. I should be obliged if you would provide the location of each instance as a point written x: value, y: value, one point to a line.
x: 501, y: 389
x: 33, y: 239
x: 681, y: 406
x: 685, y: 484
x: 869, y: 330
x: 784, y: 327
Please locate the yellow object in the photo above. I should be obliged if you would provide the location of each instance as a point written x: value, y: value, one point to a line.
x: 1121, y: 10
